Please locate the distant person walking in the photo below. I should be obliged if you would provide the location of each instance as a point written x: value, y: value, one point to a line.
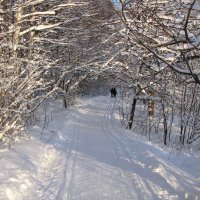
x: 113, y: 92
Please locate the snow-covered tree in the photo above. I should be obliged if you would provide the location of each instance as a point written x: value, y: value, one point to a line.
x: 164, y: 37
x: 47, y: 49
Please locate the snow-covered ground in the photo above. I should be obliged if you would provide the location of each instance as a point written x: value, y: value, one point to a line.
x: 84, y: 154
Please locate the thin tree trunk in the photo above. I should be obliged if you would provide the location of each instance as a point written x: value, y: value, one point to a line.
x: 130, y: 121
x: 65, y: 103
x: 164, y: 124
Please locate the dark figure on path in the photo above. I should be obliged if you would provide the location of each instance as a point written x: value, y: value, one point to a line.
x: 113, y: 92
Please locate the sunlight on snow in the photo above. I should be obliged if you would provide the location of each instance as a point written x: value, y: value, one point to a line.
x: 168, y: 177
x: 85, y: 154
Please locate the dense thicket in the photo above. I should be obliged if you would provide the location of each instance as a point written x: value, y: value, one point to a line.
x: 163, y: 43
x: 148, y: 49
x: 47, y: 49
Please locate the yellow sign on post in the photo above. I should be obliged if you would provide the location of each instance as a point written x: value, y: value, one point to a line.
x: 151, y: 107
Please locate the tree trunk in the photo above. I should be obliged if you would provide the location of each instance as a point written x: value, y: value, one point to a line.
x: 130, y: 121
x: 65, y: 103
x: 164, y: 124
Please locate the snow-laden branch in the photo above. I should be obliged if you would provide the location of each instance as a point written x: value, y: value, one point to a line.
x: 61, y: 6
x: 38, y: 28
x: 38, y: 14
x: 187, y: 21
x: 32, y: 3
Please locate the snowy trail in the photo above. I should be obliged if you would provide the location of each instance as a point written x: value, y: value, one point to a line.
x: 85, y: 154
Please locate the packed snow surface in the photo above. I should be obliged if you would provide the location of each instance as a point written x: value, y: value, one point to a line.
x: 85, y: 154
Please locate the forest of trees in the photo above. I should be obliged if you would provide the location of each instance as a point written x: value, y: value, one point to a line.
x: 66, y: 48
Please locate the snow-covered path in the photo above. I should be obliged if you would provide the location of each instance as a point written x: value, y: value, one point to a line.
x: 84, y: 154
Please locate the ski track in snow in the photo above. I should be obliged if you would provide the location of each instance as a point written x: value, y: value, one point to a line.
x: 85, y: 154
x: 106, y: 131
x: 120, y: 151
